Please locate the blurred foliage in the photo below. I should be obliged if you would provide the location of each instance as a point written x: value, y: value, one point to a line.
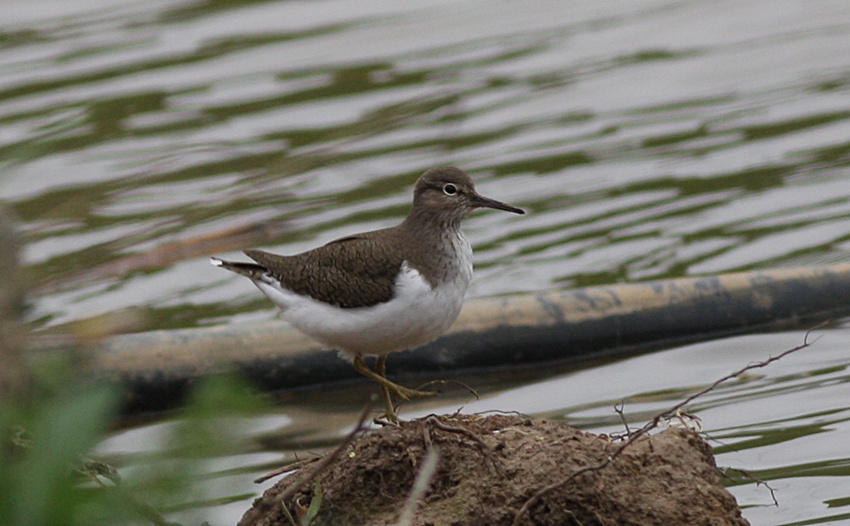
x: 46, y: 477
x: 37, y: 486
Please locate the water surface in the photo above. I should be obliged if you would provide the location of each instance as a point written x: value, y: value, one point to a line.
x: 651, y: 139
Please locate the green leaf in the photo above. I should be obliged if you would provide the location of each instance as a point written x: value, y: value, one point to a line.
x: 63, y: 428
x: 315, y: 505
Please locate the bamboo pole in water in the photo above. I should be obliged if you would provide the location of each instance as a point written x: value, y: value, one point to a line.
x: 157, y: 368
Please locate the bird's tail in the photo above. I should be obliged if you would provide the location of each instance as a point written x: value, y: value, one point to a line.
x: 250, y: 270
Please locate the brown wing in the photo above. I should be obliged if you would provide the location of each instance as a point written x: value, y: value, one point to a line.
x: 349, y: 272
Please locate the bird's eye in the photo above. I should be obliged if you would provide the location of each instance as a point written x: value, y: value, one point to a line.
x: 449, y: 189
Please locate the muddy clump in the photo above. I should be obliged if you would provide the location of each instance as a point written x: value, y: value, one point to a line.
x: 489, y: 467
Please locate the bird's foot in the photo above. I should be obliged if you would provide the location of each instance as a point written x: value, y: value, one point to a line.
x: 388, y: 387
x: 408, y: 394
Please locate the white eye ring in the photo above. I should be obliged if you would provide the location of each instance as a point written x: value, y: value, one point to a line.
x: 449, y: 189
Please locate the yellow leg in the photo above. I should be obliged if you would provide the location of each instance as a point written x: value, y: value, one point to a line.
x: 389, y: 407
x: 388, y: 388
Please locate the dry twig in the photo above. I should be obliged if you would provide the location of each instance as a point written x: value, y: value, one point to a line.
x: 420, y: 486
x: 294, y: 466
x: 262, y: 505
x: 652, y: 424
x: 435, y: 421
x: 759, y: 482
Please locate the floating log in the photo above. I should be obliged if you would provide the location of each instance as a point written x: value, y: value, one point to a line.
x: 158, y: 368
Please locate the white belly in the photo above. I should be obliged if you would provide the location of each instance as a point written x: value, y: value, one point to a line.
x: 416, y: 315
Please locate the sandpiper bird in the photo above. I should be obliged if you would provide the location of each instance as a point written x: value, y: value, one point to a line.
x: 385, y: 290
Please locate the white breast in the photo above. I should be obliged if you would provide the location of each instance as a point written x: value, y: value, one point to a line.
x: 416, y: 315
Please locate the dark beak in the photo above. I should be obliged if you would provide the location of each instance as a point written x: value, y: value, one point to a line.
x: 479, y: 201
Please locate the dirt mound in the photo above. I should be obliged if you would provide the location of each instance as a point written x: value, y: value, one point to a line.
x: 488, y: 467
